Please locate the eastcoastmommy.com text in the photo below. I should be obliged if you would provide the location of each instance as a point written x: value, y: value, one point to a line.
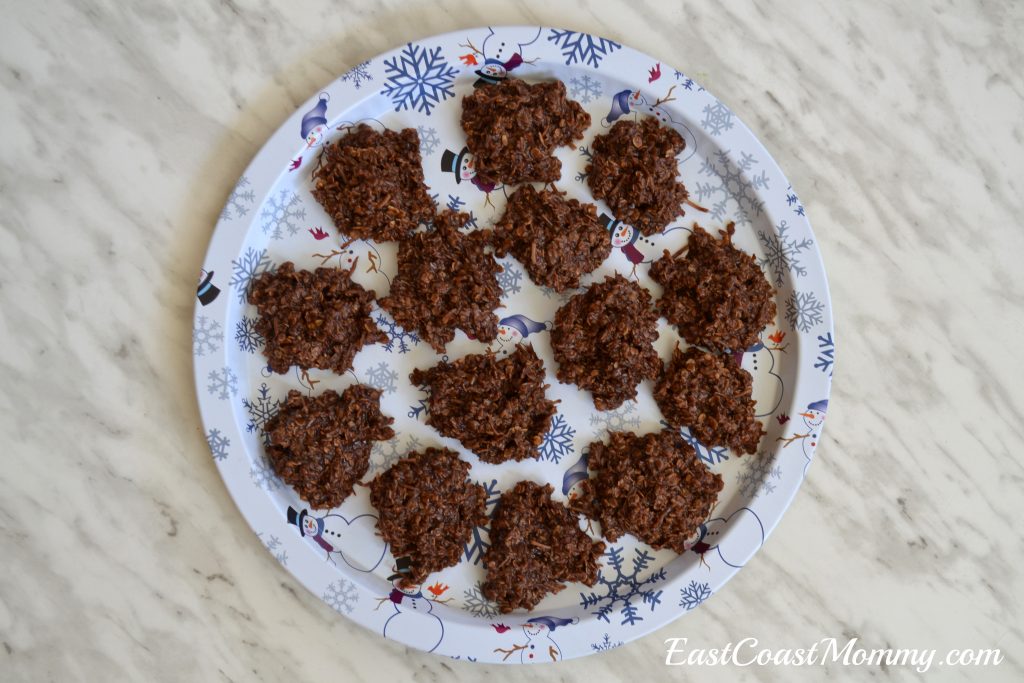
x: 748, y: 652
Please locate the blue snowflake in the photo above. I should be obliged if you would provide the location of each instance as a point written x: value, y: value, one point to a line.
x: 622, y: 419
x: 261, y: 410
x: 619, y: 586
x: 558, y: 440
x: 455, y: 202
x: 263, y: 475
x: 341, y: 595
x: 418, y: 78
x: 717, y: 118
x: 804, y: 311
x: 382, y: 377
x: 782, y: 252
x: 584, y: 88
x: 206, y: 336
x: 398, y: 338
x: 358, y: 75
x: 238, y: 201
x: 274, y: 546
x: 794, y: 201
x: 605, y: 644
x: 826, y: 353
x: 249, y: 340
x: 429, y: 140
x: 480, y: 541
x: 510, y: 279
x: 246, y: 269
x: 711, y: 456
x: 734, y: 186
x: 419, y: 409
x: 580, y: 48
x: 282, y: 213
x: 694, y: 594
x: 223, y: 383
x: 218, y: 444
x: 686, y: 81
x: 758, y: 475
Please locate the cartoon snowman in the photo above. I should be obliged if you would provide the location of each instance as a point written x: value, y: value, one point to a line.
x: 414, y: 622
x: 314, y: 127
x: 625, y: 237
x: 539, y: 646
x: 633, y: 102
x: 462, y: 166
x: 575, y: 475
x: 355, y: 541
x: 813, y: 419
x: 514, y: 329
x: 746, y: 535
x: 502, y: 52
x: 759, y: 361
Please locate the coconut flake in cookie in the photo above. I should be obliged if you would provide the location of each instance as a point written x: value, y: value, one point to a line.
x: 634, y: 169
x: 446, y: 281
x: 371, y: 184
x: 494, y: 407
x: 513, y: 128
x: 556, y: 239
x: 715, y: 294
x: 710, y: 394
x: 427, y: 510
x: 537, y: 547
x: 313, y: 319
x: 320, y: 445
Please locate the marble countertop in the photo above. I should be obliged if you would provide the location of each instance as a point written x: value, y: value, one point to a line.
x: 123, y: 127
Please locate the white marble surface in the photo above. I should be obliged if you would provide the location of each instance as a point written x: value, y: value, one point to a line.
x: 123, y: 126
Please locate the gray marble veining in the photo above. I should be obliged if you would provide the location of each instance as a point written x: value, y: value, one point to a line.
x: 124, y: 126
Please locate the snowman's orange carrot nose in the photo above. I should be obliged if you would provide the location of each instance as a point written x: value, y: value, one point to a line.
x: 809, y: 416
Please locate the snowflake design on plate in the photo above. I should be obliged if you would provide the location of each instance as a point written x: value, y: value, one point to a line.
x: 239, y: 200
x: 794, y: 201
x: 480, y: 541
x: 686, y: 82
x: 206, y: 336
x: 605, y: 644
x: 712, y: 455
x: 274, y: 545
x: 782, y: 252
x: 582, y: 48
x: 218, y: 444
x: 282, y: 213
x: 477, y: 604
x: 756, y: 475
x: 418, y: 78
x: 261, y: 409
x: 398, y: 339
x: 455, y: 203
x: 382, y: 377
x: 804, y: 311
x: 557, y: 441
x: 717, y: 118
x: 429, y: 140
x: 622, y: 587
x: 621, y: 419
x: 510, y: 279
x: 342, y: 596
x: 223, y: 383
x: 358, y: 75
x: 244, y: 270
x: 584, y: 88
x: 826, y: 353
x: 384, y: 454
x: 263, y: 475
x: 693, y: 595
x: 249, y: 340
x: 733, y: 186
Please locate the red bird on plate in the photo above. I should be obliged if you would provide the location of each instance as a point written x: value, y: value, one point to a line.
x: 782, y: 418
x: 469, y: 59
x: 318, y: 233
x: 437, y: 589
x: 501, y: 628
x: 295, y: 164
x: 655, y: 73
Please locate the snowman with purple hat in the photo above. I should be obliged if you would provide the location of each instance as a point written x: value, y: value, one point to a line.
x: 633, y: 102
x: 314, y: 126
x: 813, y: 419
x: 539, y: 646
x: 515, y: 328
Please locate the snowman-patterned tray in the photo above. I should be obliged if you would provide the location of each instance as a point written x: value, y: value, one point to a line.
x: 270, y: 217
